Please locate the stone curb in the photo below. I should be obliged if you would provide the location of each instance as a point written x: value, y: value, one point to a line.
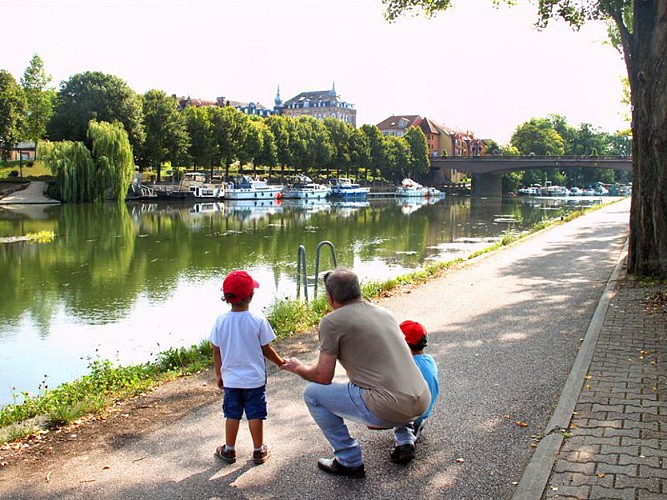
x: 536, y: 474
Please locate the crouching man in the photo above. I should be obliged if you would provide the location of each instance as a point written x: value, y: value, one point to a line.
x: 385, y: 387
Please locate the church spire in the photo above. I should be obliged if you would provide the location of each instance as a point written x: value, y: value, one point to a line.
x: 278, y: 101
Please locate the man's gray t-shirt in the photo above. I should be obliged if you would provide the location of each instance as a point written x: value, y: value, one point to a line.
x: 369, y: 344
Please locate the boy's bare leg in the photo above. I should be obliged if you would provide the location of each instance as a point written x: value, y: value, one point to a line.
x: 231, y: 431
x: 256, y: 426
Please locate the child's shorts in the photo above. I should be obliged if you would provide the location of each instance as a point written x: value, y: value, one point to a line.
x: 253, y: 401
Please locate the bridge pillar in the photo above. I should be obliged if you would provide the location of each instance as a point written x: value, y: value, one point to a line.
x: 490, y: 184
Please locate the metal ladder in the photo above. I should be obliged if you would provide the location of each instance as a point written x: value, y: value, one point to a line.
x: 301, y: 272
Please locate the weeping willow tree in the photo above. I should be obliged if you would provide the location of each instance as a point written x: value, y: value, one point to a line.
x: 74, y: 169
x: 113, y: 155
x: 82, y: 176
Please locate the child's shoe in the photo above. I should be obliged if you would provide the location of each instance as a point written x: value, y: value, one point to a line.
x: 225, y: 454
x: 260, y: 456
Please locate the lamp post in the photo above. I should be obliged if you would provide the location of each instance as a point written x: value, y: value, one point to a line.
x: 21, y: 164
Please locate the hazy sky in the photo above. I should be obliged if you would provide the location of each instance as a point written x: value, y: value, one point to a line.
x: 473, y: 67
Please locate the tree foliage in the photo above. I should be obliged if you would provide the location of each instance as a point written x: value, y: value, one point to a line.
x: 95, y: 96
x: 418, y: 151
x: 82, y: 176
x: 166, y: 132
x: 12, y: 113
x: 39, y: 99
x: 202, y: 148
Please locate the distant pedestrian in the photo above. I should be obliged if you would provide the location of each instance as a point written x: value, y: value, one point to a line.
x: 241, y: 339
x: 405, y: 436
x: 385, y: 388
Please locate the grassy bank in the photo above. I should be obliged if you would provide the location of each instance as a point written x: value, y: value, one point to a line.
x: 107, y: 383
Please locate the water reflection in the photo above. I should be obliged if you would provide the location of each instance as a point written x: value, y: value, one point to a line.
x: 127, y: 281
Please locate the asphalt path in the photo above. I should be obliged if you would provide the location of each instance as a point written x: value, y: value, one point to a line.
x: 504, y: 331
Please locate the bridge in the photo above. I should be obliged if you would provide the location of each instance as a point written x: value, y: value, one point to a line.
x: 487, y: 171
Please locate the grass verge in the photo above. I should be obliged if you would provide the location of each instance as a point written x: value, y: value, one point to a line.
x: 108, y: 383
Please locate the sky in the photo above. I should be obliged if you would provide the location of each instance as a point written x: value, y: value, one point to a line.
x: 473, y: 67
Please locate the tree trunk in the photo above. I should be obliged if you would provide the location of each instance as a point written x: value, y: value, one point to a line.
x: 647, y: 67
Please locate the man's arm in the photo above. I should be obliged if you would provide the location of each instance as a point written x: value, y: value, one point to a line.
x: 321, y: 372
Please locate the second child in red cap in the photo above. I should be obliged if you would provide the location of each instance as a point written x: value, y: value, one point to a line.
x: 405, y: 436
x: 241, y: 340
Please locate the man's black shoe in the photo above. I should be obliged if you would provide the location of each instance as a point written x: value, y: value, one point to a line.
x: 332, y: 466
x: 403, y: 454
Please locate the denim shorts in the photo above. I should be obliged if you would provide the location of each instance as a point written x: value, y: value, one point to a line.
x: 253, y: 401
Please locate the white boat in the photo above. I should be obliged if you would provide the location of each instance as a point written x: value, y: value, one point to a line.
x: 303, y: 188
x: 533, y: 190
x: 345, y: 188
x: 555, y: 191
x: 410, y: 188
x: 247, y: 188
x: 194, y: 185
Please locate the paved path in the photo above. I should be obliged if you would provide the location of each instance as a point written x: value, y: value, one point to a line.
x: 506, y: 332
x: 618, y: 443
x: 31, y: 195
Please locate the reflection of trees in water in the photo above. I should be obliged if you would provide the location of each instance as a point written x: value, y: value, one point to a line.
x: 104, y: 257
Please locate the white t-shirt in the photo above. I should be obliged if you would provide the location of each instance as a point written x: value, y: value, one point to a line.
x: 240, y: 337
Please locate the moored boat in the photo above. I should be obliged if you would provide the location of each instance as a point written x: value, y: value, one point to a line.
x: 410, y: 188
x: 345, y: 188
x: 248, y: 188
x: 303, y: 188
x: 193, y: 186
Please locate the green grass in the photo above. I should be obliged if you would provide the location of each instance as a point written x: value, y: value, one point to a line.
x: 35, y: 172
x: 107, y: 383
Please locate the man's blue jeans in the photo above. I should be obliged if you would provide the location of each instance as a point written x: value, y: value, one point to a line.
x: 329, y: 405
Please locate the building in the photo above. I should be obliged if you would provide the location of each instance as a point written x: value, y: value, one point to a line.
x: 319, y: 104
x: 249, y: 108
x: 441, y: 140
x: 23, y: 151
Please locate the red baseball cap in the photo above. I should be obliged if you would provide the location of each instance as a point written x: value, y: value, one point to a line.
x: 240, y: 284
x: 413, y: 331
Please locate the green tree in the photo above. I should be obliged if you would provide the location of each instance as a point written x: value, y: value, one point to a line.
x: 360, y: 150
x: 230, y: 129
x: 12, y: 113
x: 340, y: 134
x: 166, y: 132
x: 268, y: 156
x: 418, y: 151
x: 114, y: 159
x: 85, y: 176
x: 537, y: 136
x: 376, y: 145
x: 397, y: 158
x: 253, y: 144
x: 95, y: 96
x: 641, y: 28
x: 281, y: 134
x: 202, y: 149
x: 39, y: 99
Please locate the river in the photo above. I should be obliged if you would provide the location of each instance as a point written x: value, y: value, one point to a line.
x: 126, y: 282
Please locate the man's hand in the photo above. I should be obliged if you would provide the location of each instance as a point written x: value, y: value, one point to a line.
x: 291, y: 365
x: 219, y: 382
x: 321, y: 372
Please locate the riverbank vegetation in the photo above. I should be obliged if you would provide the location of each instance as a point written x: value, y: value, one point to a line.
x: 107, y: 382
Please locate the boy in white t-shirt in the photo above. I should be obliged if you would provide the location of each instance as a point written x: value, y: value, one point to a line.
x: 241, y: 340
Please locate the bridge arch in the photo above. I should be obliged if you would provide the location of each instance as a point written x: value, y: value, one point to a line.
x: 487, y: 171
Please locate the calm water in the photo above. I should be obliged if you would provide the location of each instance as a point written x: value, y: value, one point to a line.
x: 123, y: 283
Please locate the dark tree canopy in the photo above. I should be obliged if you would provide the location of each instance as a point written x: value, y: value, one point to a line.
x: 12, y: 112
x: 95, y: 96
